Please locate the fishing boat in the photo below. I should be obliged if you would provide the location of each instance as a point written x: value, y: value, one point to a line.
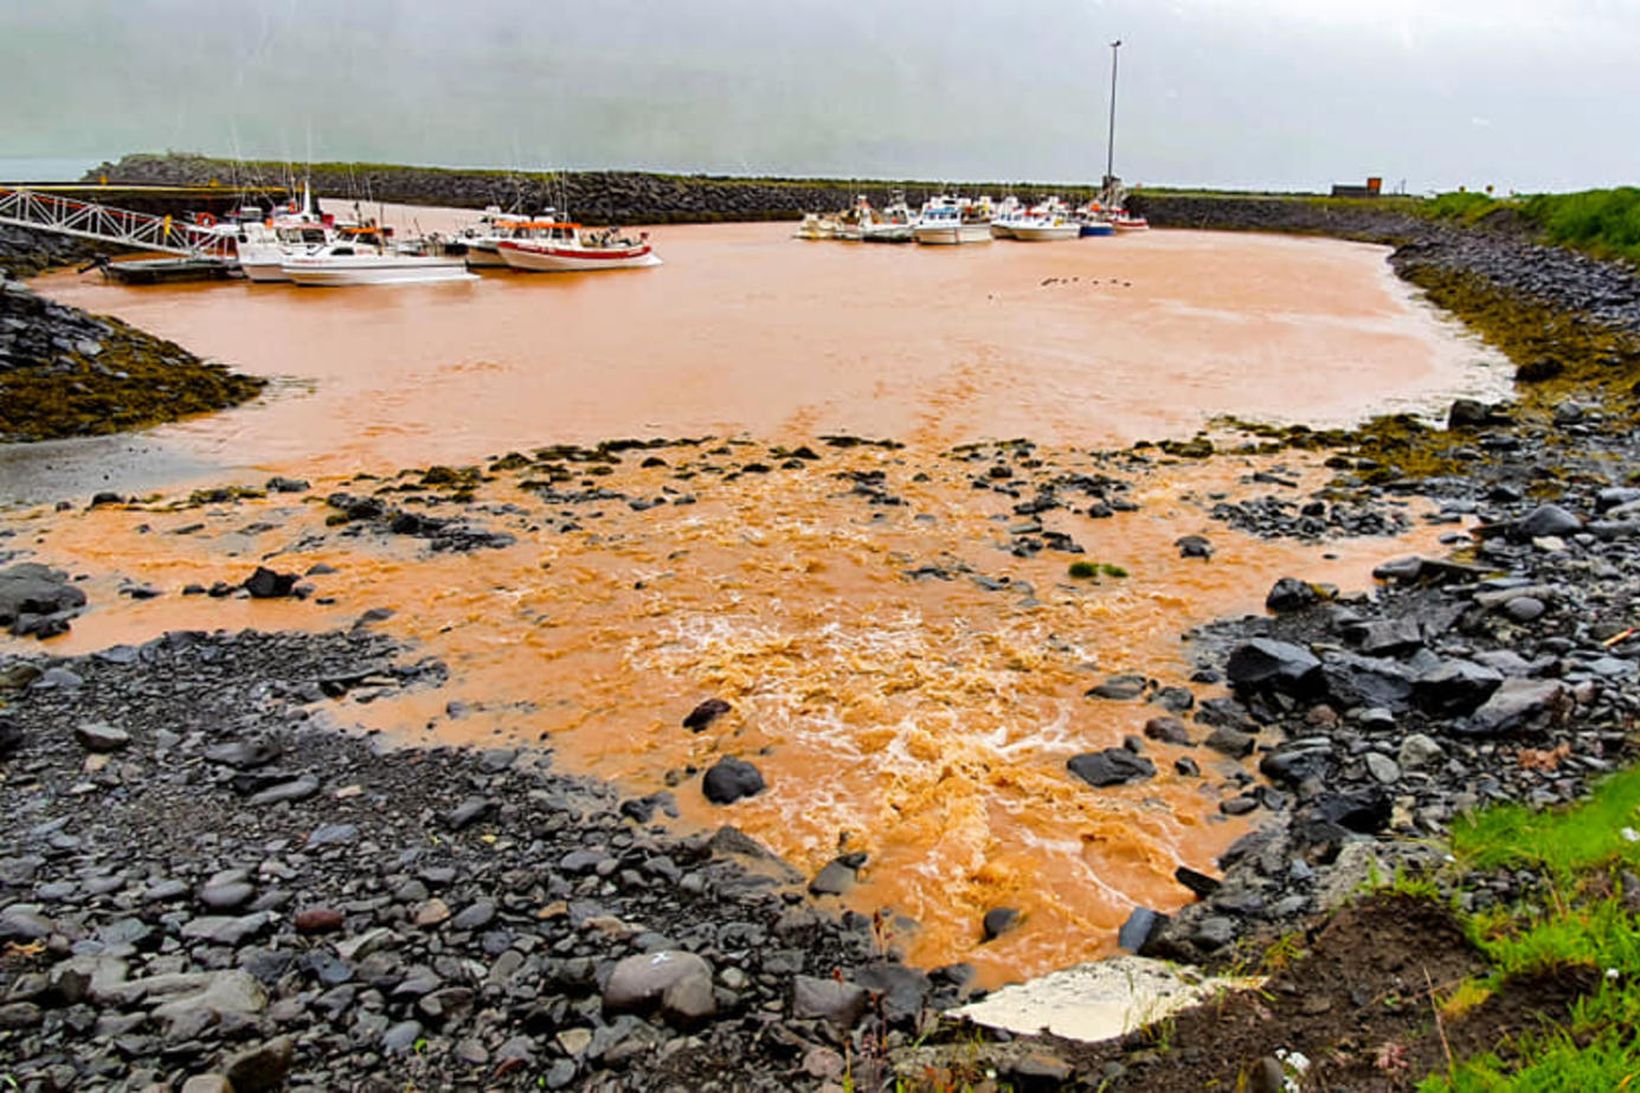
x: 1004, y: 214
x: 891, y: 225
x: 365, y: 256
x: 479, y: 241
x: 263, y: 245
x: 1045, y: 223
x: 1124, y: 221
x: 1094, y: 221
x: 815, y: 226
x: 946, y: 221
x: 264, y: 248
x: 563, y: 247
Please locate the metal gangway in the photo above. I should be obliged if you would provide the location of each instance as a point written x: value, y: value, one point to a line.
x: 26, y: 208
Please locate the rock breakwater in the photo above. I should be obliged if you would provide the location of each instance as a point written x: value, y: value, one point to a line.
x: 632, y: 197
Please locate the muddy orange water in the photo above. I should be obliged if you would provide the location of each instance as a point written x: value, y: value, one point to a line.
x: 907, y: 685
x: 747, y: 330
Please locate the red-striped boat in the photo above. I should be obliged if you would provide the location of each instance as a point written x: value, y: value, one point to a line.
x: 566, y: 247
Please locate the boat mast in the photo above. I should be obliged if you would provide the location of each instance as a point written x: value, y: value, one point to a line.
x: 1110, y: 141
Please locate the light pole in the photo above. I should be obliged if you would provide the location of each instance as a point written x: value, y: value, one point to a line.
x: 1110, y: 146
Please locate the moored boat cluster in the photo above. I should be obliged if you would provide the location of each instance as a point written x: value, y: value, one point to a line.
x: 948, y: 220
x: 298, y: 245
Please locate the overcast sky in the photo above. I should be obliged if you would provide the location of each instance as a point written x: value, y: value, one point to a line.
x: 1250, y: 93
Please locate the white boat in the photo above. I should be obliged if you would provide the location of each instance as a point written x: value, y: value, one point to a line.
x: 264, y: 248
x: 815, y: 226
x: 945, y: 221
x: 1006, y: 212
x: 363, y: 256
x: 263, y: 245
x: 1124, y: 221
x: 1030, y: 229
x: 891, y: 225
x: 480, y: 239
x: 567, y: 247
x: 1048, y: 222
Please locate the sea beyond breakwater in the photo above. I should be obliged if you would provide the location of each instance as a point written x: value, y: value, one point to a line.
x: 943, y: 656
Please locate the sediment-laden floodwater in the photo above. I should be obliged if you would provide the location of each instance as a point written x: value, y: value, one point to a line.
x: 747, y: 331
x: 905, y: 651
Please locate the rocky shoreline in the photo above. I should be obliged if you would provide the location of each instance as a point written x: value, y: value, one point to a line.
x: 204, y: 876
x: 261, y: 896
x: 66, y: 373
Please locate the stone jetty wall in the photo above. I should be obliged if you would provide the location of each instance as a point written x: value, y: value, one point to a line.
x: 592, y: 196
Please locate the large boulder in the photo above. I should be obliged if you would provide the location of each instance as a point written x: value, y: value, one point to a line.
x: 1547, y: 520
x: 843, y: 1004
x: 29, y: 588
x: 1517, y: 704
x: 1351, y: 680
x: 1264, y: 662
x: 1111, y: 767
x: 1291, y: 594
x: 675, y: 983
x: 730, y: 780
x: 1456, y: 687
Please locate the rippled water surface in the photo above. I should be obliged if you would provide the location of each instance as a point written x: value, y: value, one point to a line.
x: 746, y: 330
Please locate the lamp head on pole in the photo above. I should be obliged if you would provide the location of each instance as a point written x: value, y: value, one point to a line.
x: 1116, y: 44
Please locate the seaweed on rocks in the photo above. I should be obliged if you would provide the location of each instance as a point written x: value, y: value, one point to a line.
x: 66, y: 373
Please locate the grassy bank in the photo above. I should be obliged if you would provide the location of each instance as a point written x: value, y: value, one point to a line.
x: 1574, y: 930
x: 1604, y: 223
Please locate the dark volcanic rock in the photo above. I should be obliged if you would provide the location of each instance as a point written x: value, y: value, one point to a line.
x: 706, y: 713
x: 1111, y: 767
x: 998, y: 921
x: 1263, y: 662
x: 265, y: 584
x: 30, y: 589
x: 731, y: 779
x: 1291, y: 594
x: 1350, y: 680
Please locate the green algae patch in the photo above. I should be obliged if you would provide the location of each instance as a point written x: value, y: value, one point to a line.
x: 135, y: 381
x: 1557, y: 354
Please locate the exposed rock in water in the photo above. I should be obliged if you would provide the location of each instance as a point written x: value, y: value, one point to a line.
x: 731, y: 779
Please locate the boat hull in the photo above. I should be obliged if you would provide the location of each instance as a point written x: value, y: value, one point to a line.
x: 263, y: 262
x: 1045, y: 233
x: 484, y: 255
x: 400, y: 270
x: 164, y: 271
x: 576, y: 259
x: 952, y: 234
x: 896, y: 233
x: 263, y: 271
x: 1001, y: 231
x: 1097, y: 229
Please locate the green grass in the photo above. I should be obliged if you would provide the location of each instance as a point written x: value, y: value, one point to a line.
x: 1561, y: 842
x: 1604, y: 223
x: 1578, y: 921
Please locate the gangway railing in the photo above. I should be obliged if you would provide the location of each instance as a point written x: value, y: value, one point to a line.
x: 105, y: 224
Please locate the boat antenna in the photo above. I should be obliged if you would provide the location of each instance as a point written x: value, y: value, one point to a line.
x: 1110, y: 137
